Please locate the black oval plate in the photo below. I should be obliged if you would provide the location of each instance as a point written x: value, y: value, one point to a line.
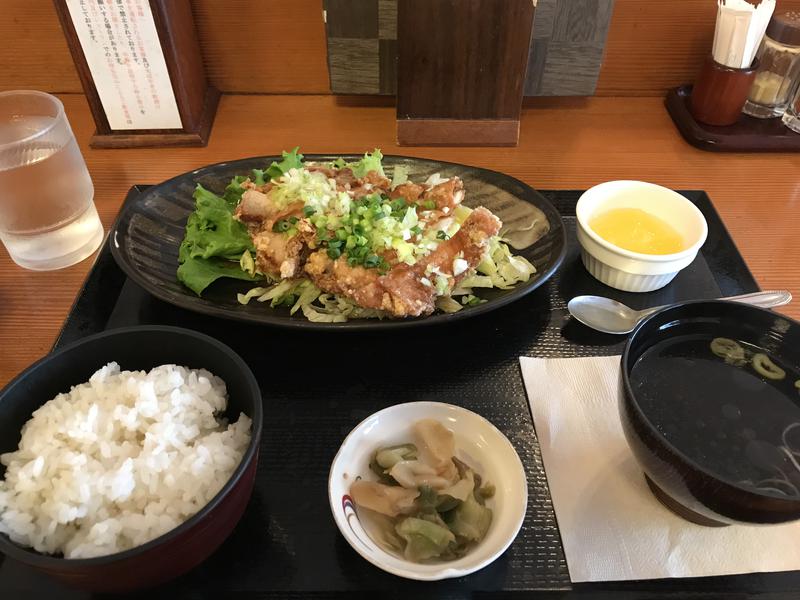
x: 149, y: 230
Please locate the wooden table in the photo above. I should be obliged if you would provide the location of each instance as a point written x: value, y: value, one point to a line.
x: 564, y: 144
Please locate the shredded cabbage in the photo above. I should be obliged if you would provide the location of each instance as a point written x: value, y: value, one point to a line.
x: 447, y: 304
x: 436, y: 179
x: 475, y: 281
x: 247, y: 263
x: 316, y: 306
x: 460, y: 213
x: 308, y: 293
x: 254, y: 293
x: 504, y: 269
x: 400, y: 175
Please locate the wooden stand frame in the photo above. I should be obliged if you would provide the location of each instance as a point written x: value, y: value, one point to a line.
x: 196, y: 99
x: 461, y: 71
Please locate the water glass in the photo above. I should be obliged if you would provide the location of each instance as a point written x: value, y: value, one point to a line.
x: 47, y: 215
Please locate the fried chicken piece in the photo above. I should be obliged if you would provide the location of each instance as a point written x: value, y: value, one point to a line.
x: 254, y: 207
x: 376, y: 180
x: 406, y: 294
x: 403, y: 291
x: 251, y: 185
x: 399, y: 293
x: 338, y: 277
x: 276, y: 252
x: 295, y: 209
x: 410, y: 192
x: 329, y: 172
x: 373, y: 182
x: 446, y: 195
x: 259, y: 209
x: 454, y: 258
x: 345, y: 179
x: 468, y: 245
x: 280, y: 254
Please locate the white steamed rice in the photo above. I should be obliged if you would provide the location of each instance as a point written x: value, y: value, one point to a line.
x: 119, y: 461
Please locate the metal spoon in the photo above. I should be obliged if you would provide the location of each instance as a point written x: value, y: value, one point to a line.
x: 610, y: 316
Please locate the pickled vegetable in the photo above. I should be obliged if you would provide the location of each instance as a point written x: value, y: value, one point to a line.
x: 389, y: 457
x: 470, y: 520
x: 428, y: 504
x: 424, y: 539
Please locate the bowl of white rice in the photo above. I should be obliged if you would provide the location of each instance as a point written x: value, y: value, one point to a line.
x: 128, y: 457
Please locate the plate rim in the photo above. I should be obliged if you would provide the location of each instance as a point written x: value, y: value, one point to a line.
x: 186, y: 302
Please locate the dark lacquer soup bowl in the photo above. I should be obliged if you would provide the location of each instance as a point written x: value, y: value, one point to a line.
x: 710, y: 406
x: 139, y: 348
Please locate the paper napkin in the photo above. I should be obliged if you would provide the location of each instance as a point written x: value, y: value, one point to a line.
x: 611, y: 525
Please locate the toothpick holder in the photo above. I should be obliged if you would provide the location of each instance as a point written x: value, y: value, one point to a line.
x: 720, y: 92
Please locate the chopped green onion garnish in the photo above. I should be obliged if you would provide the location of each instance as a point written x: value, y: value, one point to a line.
x: 281, y: 226
x: 442, y: 235
x: 397, y: 204
x: 308, y: 211
x: 372, y: 261
x: 334, y: 253
x: 416, y: 230
x: 293, y: 220
x: 429, y: 205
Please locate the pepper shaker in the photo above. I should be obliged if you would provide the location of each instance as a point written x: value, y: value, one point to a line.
x: 779, y: 67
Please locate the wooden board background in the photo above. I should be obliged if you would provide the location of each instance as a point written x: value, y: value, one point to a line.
x: 267, y: 46
x: 450, y: 86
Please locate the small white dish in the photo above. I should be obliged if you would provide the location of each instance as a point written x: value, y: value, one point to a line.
x: 633, y: 271
x: 478, y: 443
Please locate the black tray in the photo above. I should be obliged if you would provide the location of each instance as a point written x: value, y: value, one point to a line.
x: 287, y: 545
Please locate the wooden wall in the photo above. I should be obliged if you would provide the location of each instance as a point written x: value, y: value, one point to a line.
x: 271, y: 46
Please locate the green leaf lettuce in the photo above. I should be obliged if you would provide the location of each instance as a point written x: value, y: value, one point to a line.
x: 213, y: 237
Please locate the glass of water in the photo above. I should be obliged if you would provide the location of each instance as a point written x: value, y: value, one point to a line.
x: 47, y: 215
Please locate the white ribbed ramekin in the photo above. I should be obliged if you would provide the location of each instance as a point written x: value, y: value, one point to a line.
x: 633, y: 271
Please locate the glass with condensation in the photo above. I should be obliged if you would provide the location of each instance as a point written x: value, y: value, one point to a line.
x: 47, y: 215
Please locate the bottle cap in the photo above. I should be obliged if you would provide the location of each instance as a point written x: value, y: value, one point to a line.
x: 785, y: 28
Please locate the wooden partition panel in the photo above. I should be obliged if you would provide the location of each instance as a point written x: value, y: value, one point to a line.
x: 272, y: 46
x: 653, y: 46
x: 263, y: 46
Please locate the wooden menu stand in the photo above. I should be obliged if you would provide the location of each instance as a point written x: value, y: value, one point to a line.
x: 461, y: 70
x: 196, y: 100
